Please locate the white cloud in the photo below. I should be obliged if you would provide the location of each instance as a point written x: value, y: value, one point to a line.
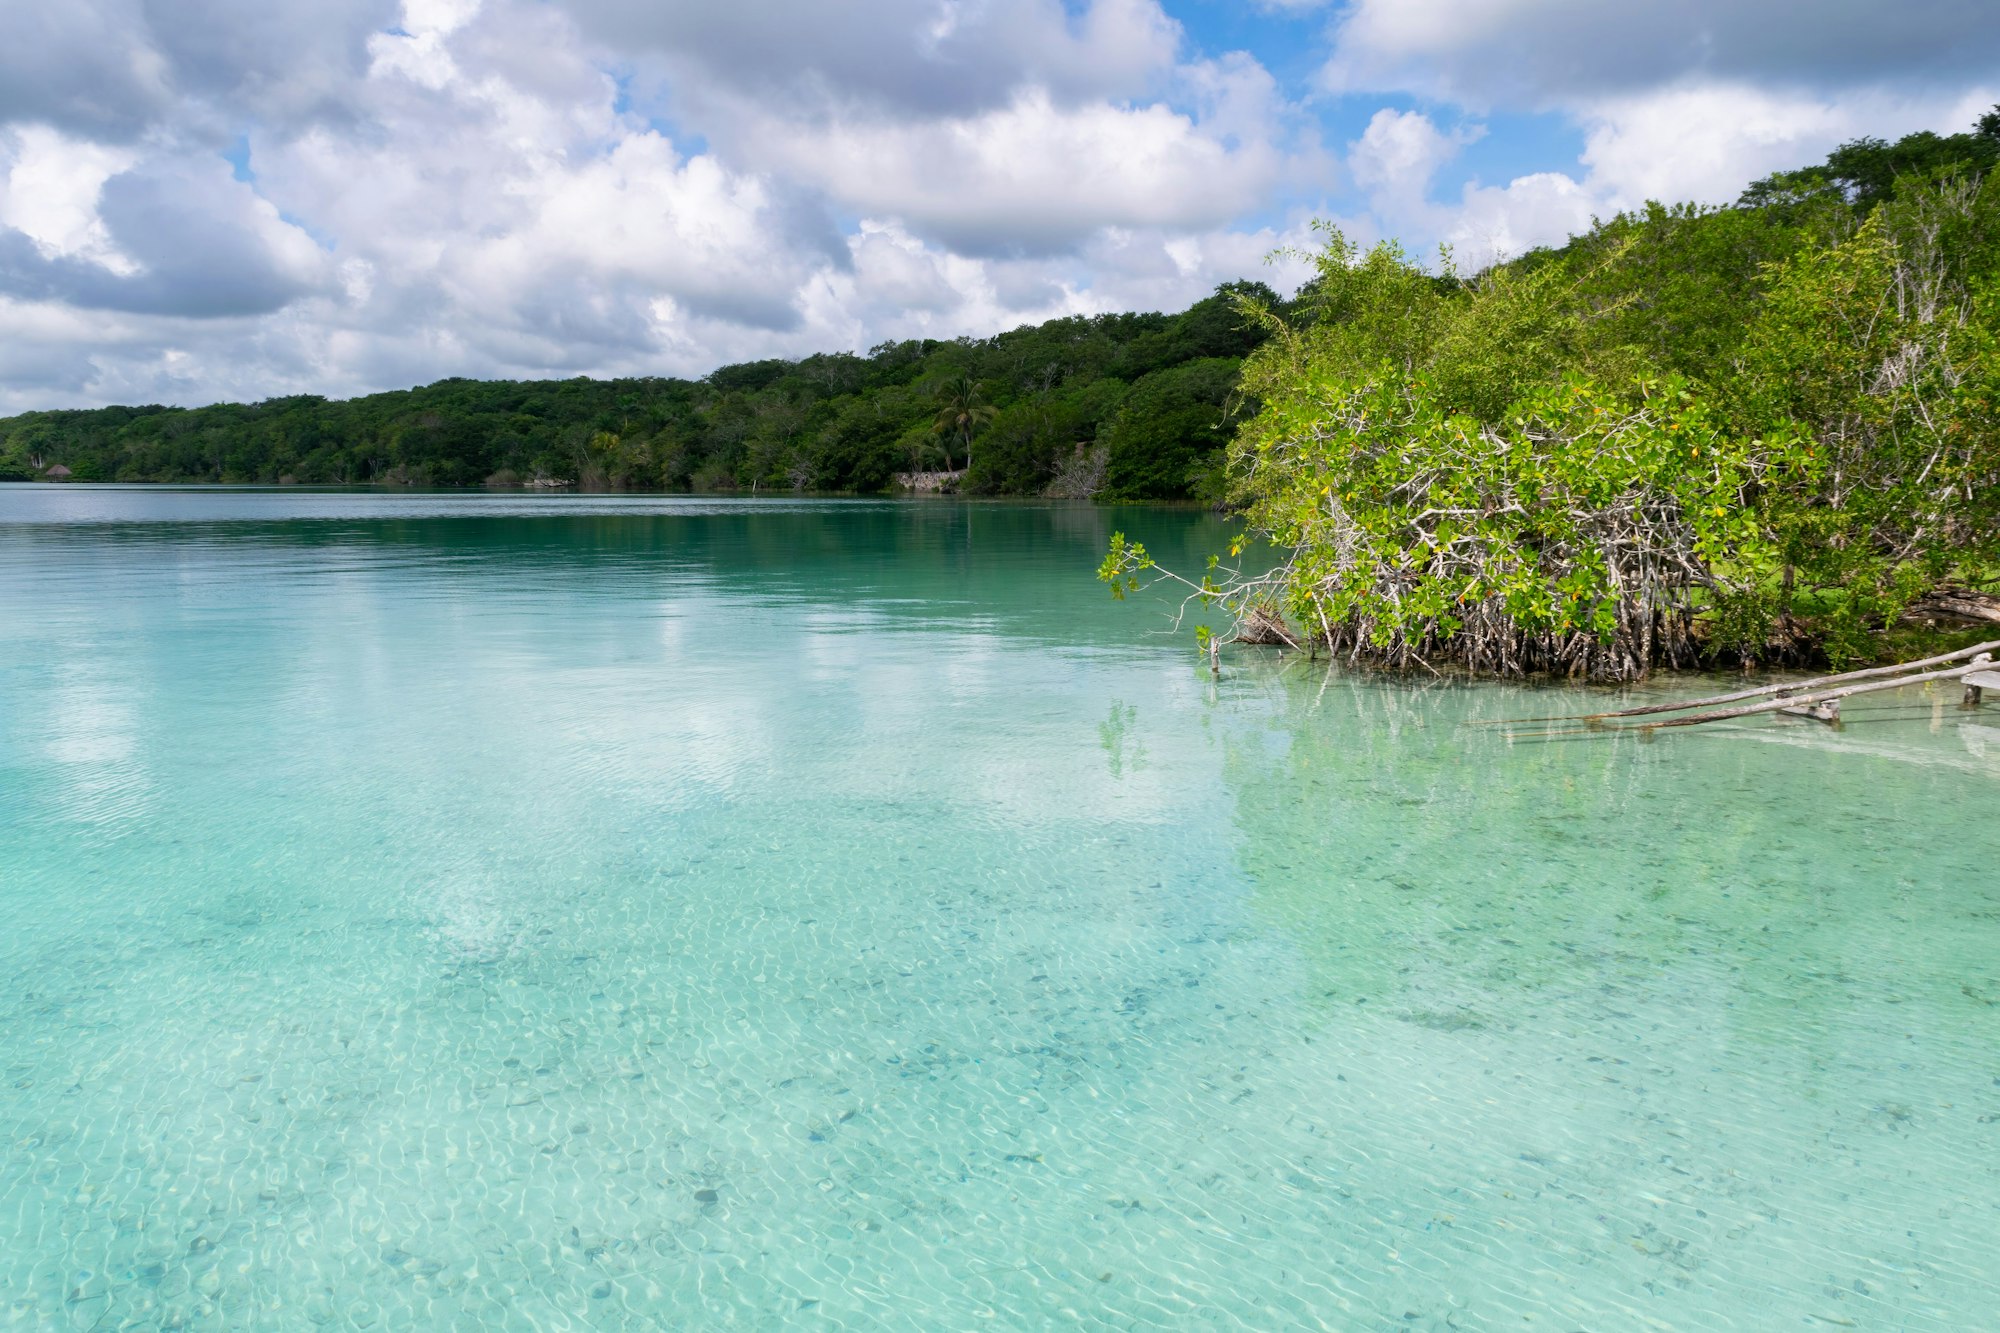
x: 166, y: 232
x: 1706, y: 141
x: 1031, y: 175
x: 898, y: 270
x: 1541, y: 54
x: 50, y: 191
x: 1497, y: 222
x: 916, y: 57
x: 1004, y: 126
x: 120, y: 69
x: 1399, y: 153
x: 1396, y: 162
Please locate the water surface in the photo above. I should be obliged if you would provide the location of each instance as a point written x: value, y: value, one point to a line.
x: 605, y: 912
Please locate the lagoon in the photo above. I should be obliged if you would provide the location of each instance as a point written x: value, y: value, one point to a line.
x: 499, y: 912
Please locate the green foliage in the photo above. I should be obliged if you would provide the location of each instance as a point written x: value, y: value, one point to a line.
x: 1209, y: 330
x: 1021, y: 451
x: 1690, y: 433
x: 1030, y: 397
x: 1663, y: 290
x: 1866, y: 172
x: 1171, y: 429
x: 1889, y: 359
x: 1577, y: 533
x: 1124, y: 565
x: 1360, y: 308
x: 962, y: 410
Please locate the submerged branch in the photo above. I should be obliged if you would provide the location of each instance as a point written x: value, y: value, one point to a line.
x: 1790, y: 693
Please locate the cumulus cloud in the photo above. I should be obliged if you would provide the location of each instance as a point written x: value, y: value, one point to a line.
x: 115, y: 69
x: 1001, y: 127
x: 1538, y: 54
x: 1398, y: 154
x: 925, y: 57
x: 1030, y: 176
x: 1396, y: 161
x: 1490, y: 223
x: 1704, y: 141
x: 167, y: 234
x: 49, y: 189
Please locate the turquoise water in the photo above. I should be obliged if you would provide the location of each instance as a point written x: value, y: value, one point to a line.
x: 564, y: 913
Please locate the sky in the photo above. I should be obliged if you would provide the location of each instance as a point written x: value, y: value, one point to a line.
x: 206, y: 200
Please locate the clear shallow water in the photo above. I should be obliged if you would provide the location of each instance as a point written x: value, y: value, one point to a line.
x: 562, y: 912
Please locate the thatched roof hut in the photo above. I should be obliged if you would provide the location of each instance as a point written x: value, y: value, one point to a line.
x: 57, y: 473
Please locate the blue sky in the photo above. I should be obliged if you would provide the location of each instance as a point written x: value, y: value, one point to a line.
x: 207, y: 199
x: 1294, y: 43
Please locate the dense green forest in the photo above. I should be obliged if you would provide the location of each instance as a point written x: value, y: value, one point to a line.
x: 1693, y: 434
x: 1124, y: 405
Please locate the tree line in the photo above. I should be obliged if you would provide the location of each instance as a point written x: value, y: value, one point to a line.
x: 1124, y: 405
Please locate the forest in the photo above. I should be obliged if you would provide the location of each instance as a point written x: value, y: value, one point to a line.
x: 1128, y: 405
x: 1758, y: 433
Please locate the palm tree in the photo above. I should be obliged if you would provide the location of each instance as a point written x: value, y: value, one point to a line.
x: 961, y: 412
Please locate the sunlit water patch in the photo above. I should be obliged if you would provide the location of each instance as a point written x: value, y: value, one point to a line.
x: 572, y: 912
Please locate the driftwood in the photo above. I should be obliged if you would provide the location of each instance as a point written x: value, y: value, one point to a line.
x: 1980, y: 681
x: 1790, y: 690
x: 1818, y: 699
x: 1789, y: 702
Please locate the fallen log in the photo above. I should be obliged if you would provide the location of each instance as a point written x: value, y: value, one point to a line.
x: 1784, y: 689
x: 1820, y: 697
x: 1979, y: 682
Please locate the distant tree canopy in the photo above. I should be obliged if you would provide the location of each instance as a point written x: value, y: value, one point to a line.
x: 1865, y: 172
x: 1022, y: 403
